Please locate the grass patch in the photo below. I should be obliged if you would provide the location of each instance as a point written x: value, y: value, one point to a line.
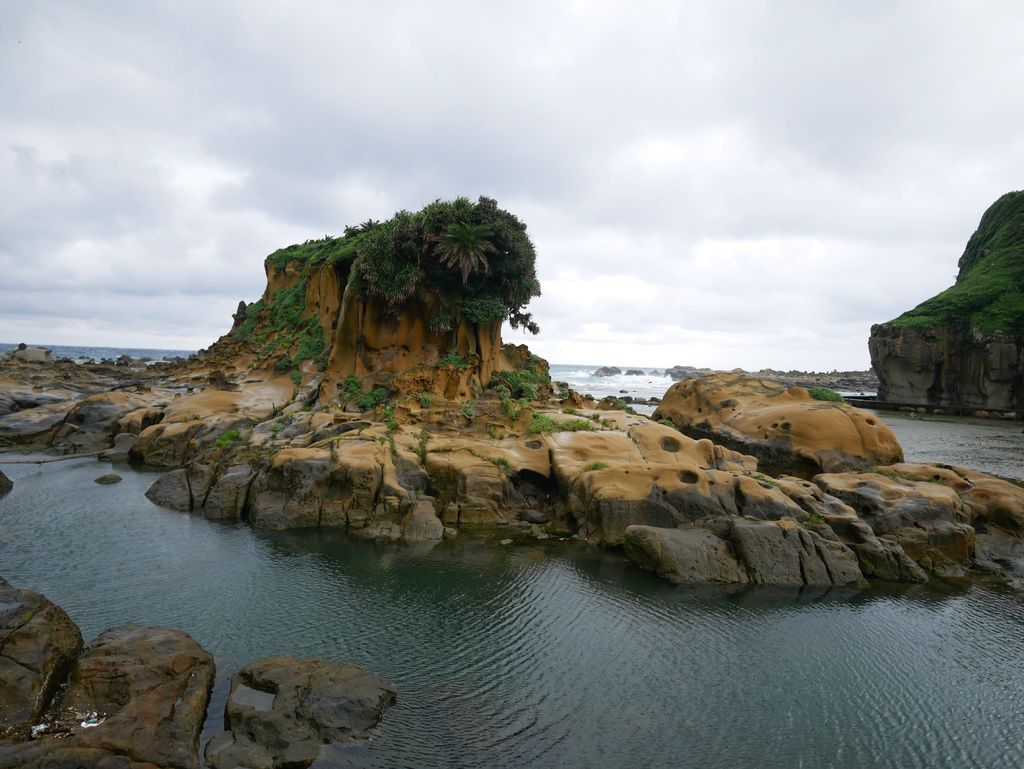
x: 371, y: 400
x: 541, y: 423
x: 454, y: 360
x: 825, y: 394
x: 468, y: 411
x: 227, y: 438
x: 349, y: 388
x: 503, y: 464
x: 595, y: 466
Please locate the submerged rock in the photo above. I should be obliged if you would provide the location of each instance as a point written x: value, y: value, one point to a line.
x: 38, y: 644
x: 108, y: 479
x: 785, y: 428
x: 281, y: 711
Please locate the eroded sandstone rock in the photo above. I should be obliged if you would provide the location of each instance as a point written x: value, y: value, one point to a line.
x: 784, y: 427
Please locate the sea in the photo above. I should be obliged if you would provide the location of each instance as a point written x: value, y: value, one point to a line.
x: 83, y: 354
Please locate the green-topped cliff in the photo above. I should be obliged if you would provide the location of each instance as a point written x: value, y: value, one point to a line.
x: 989, y: 291
x: 964, y: 347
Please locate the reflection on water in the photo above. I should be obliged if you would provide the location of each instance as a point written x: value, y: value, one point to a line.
x: 542, y: 656
x: 989, y: 445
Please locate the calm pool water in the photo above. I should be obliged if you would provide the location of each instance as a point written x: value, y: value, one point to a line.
x: 991, y: 445
x: 532, y: 656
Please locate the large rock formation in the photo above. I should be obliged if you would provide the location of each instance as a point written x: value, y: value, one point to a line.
x: 964, y: 348
x: 784, y: 427
x: 148, y: 689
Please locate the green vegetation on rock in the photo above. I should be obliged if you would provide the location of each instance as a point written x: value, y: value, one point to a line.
x: 227, y: 438
x: 989, y: 291
x: 542, y: 423
x: 823, y: 394
x: 369, y: 401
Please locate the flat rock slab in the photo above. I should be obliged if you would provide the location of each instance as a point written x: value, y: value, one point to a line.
x: 281, y: 711
x: 136, y: 698
x: 38, y: 644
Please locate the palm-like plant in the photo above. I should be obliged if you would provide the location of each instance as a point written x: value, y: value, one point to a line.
x: 465, y: 246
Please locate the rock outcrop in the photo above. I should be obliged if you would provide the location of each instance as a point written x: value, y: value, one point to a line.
x: 136, y: 698
x: 784, y: 427
x: 281, y: 711
x: 964, y: 348
x: 6, y: 484
x: 38, y: 645
x: 741, y: 551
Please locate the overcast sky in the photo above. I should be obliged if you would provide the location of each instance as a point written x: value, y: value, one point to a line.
x: 717, y: 184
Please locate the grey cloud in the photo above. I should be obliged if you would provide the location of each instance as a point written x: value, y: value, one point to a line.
x: 722, y: 184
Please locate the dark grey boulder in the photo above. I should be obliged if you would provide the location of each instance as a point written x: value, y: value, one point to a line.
x: 281, y: 710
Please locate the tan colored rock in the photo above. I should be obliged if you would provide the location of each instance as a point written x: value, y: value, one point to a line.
x: 785, y: 428
x: 421, y: 524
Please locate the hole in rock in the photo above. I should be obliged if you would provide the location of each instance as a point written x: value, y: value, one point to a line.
x: 670, y: 444
x: 688, y: 476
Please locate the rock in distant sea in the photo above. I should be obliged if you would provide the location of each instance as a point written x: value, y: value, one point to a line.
x: 27, y: 354
x: 608, y: 371
x: 634, y: 372
x: 964, y: 348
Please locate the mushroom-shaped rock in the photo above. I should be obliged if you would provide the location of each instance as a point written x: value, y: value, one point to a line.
x: 784, y: 427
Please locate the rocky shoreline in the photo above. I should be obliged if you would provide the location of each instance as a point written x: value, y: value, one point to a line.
x: 137, y: 697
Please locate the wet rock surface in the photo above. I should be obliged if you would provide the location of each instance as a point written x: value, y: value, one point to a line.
x: 282, y: 710
x: 38, y: 645
x: 137, y: 697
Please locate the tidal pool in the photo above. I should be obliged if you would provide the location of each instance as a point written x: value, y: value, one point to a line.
x: 555, y: 655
